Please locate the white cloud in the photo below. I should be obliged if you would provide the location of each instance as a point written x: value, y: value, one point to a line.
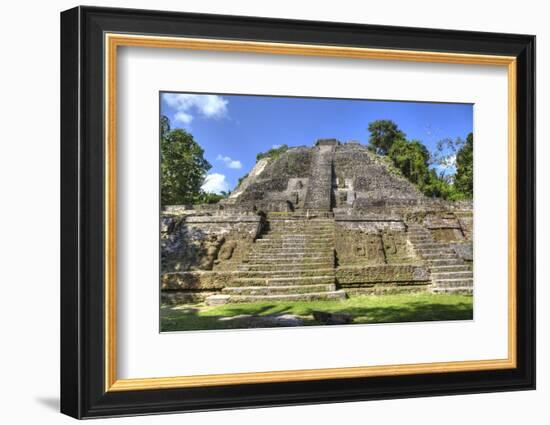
x: 183, y: 117
x: 207, y: 105
x: 215, y: 183
x: 230, y: 163
x: 275, y: 146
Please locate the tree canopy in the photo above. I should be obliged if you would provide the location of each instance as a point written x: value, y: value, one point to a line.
x: 413, y: 159
x: 464, y: 177
x: 383, y: 133
x: 183, y: 167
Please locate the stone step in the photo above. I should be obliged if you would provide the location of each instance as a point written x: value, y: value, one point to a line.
x: 437, y: 255
x: 285, y: 266
x: 270, y: 274
x: 292, y: 244
x: 301, y: 239
x: 328, y: 295
x: 283, y: 281
x: 321, y: 223
x: 278, y: 290
x: 302, y: 224
x: 285, y: 258
x: 421, y: 241
x: 429, y: 245
x: 299, y: 213
x: 425, y: 251
x: 457, y: 291
x: 325, y: 252
x: 451, y: 268
x: 436, y: 276
x: 464, y: 214
x: 299, y: 233
x: 444, y: 262
x: 301, y: 252
x: 292, y: 250
x: 454, y: 283
x: 297, y: 242
x: 296, y: 239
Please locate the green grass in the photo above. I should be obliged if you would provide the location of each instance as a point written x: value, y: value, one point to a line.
x: 364, y: 309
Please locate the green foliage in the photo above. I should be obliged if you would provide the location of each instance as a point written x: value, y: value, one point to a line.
x: 210, y: 198
x: 272, y: 154
x: 412, y: 159
x: 164, y: 127
x: 464, y: 178
x: 182, y: 166
x: 383, y: 134
x: 440, y: 186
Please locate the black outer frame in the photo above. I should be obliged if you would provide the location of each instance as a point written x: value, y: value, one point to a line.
x: 82, y: 212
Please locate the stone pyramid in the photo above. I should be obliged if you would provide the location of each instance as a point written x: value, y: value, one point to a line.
x: 323, y: 222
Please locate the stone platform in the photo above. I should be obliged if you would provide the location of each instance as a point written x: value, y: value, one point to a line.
x: 317, y: 223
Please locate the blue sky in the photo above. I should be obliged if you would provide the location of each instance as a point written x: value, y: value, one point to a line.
x: 232, y: 129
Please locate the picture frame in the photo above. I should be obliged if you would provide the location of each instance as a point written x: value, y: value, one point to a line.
x: 90, y: 39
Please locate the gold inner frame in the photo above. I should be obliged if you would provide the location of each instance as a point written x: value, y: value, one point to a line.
x: 113, y: 41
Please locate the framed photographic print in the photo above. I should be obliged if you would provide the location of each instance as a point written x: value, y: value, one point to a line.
x: 261, y: 212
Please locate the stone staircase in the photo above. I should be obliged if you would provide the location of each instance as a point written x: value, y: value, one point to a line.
x: 319, y: 192
x: 292, y: 261
x: 449, y: 273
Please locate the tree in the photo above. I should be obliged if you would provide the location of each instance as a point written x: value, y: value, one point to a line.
x: 444, y: 156
x: 412, y: 159
x: 464, y: 177
x: 211, y: 198
x: 164, y: 127
x: 440, y: 186
x: 383, y: 134
x: 182, y: 166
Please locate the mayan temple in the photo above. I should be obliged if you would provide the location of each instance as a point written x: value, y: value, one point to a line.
x: 322, y: 222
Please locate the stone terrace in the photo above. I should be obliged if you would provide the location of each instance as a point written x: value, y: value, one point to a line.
x: 313, y: 223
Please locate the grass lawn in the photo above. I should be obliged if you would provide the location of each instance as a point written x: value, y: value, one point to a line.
x: 364, y: 309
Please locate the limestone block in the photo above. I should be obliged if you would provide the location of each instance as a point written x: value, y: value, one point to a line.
x: 196, y: 280
x: 463, y: 250
x: 382, y: 273
x: 194, y: 242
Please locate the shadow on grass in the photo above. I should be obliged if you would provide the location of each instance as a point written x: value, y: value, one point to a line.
x: 363, y: 310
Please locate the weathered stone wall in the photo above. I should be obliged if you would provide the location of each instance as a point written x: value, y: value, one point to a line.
x: 276, y: 185
x: 381, y: 273
x: 360, y: 241
x: 364, y: 178
x: 197, y: 280
x: 198, y: 283
x: 381, y: 279
x: 206, y: 242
